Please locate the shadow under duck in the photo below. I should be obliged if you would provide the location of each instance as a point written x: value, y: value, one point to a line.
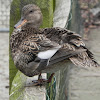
x: 34, y: 50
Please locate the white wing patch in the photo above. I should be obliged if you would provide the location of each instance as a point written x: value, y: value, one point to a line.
x: 47, y: 54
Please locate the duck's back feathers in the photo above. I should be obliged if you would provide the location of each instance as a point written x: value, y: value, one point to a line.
x: 72, y: 43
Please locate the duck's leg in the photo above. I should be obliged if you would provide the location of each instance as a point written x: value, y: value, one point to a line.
x: 41, y: 81
x: 39, y: 77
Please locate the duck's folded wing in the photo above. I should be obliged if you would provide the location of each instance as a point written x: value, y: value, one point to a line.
x: 85, y: 58
x: 39, y: 45
x: 74, y: 40
x: 38, y: 49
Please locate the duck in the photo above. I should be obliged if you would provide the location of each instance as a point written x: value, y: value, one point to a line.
x: 34, y: 50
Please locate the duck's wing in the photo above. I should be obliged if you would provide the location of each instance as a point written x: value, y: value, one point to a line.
x: 71, y: 42
x: 84, y: 59
x: 38, y: 49
x: 40, y: 46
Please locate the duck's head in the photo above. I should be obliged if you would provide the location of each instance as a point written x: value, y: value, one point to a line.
x: 31, y: 16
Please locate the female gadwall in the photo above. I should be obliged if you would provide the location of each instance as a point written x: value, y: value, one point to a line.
x: 34, y: 50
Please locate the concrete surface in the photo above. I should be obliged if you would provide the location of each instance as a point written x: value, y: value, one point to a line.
x: 4, y: 13
x: 4, y: 66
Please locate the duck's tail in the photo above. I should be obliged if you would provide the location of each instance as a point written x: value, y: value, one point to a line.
x: 84, y: 59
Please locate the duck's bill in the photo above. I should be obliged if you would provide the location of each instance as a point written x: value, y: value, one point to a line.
x: 20, y: 23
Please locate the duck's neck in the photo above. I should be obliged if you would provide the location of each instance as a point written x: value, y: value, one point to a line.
x: 31, y: 25
x: 30, y: 28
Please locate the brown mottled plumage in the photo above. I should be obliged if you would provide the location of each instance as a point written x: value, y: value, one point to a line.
x: 34, y: 49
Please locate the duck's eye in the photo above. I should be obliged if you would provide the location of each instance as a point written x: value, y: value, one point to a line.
x: 31, y: 11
